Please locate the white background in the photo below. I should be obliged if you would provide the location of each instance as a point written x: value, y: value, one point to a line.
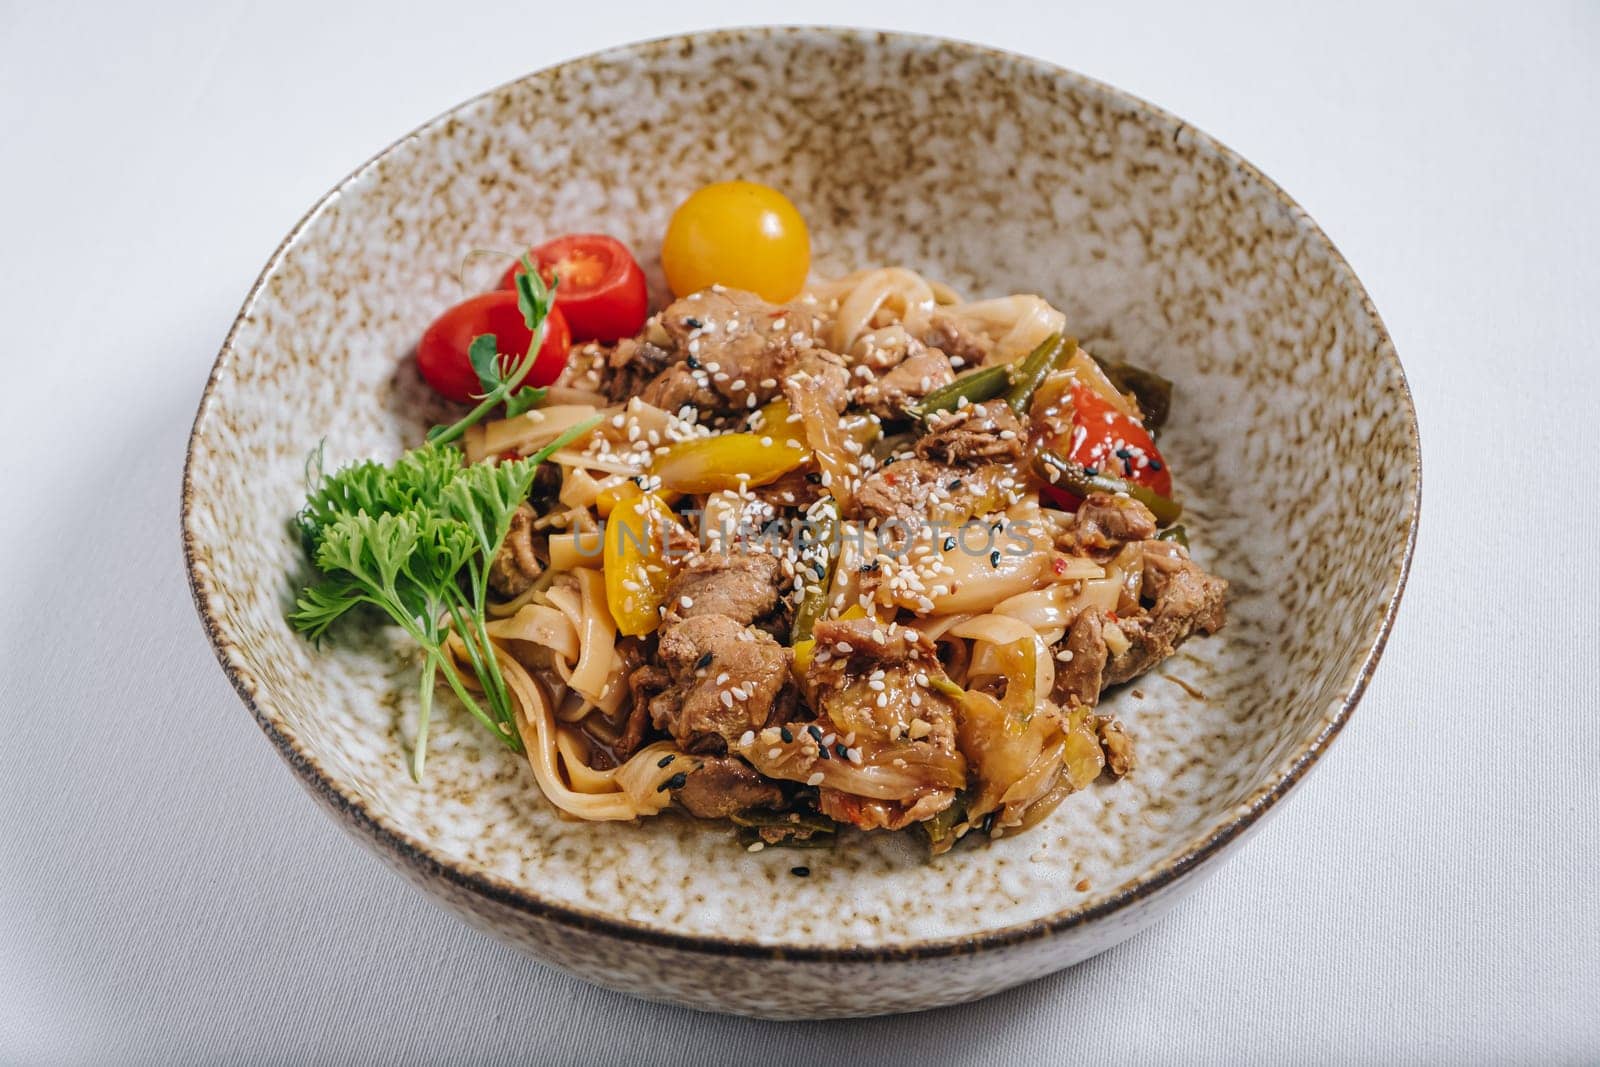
x: 167, y: 891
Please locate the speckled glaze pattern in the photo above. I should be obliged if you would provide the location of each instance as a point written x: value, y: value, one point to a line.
x: 1294, y: 442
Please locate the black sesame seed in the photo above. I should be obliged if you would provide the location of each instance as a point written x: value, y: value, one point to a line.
x: 949, y: 544
x: 694, y: 364
x: 823, y: 753
x: 994, y: 558
x: 693, y: 323
x: 800, y: 872
x: 816, y: 732
x: 783, y: 732
x: 814, y: 478
x: 1123, y: 453
x: 1155, y: 464
x: 868, y: 568
x: 675, y: 782
x: 1091, y: 471
x: 955, y: 483
x: 840, y: 751
x: 704, y: 661
x: 664, y: 760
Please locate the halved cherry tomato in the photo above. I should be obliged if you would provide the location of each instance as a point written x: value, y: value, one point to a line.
x: 739, y: 234
x: 1109, y: 442
x: 602, y: 291
x: 442, y: 352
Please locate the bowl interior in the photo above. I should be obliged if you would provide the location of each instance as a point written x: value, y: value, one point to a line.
x: 1292, y: 439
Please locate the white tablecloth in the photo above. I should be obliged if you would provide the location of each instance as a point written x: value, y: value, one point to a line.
x: 168, y: 893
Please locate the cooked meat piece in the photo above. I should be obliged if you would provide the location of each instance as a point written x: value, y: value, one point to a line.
x: 872, y: 645
x: 645, y: 679
x: 799, y: 488
x: 726, y: 679
x: 861, y: 652
x: 1117, y: 744
x: 517, y: 565
x: 974, y: 433
x: 882, y: 349
x: 920, y: 489
x: 742, y: 586
x: 818, y: 370
x: 969, y: 346
x: 866, y: 814
x: 630, y: 365
x: 617, y: 371
x: 891, y: 396
x: 1183, y: 600
x: 1078, y: 678
x: 733, y: 352
x: 724, y: 320
x: 726, y: 786
x: 1105, y: 522
x: 545, y: 492
x: 678, y: 387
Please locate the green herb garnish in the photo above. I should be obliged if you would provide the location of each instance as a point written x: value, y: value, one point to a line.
x: 535, y: 300
x: 415, y: 540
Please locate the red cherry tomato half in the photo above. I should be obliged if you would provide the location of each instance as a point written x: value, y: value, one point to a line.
x: 1110, y: 442
x: 1107, y: 441
x: 601, y: 292
x: 442, y: 352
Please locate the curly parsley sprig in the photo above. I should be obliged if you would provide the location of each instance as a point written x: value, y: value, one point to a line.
x: 415, y: 539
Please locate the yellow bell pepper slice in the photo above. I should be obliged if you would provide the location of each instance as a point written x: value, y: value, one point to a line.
x: 637, y: 570
x: 727, y: 461
x: 627, y: 489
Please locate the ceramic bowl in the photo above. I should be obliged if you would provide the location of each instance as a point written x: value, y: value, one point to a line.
x: 1293, y: 438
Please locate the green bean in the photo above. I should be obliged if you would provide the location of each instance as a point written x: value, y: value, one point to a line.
x: 1031, y: 372
x: 976, y: 387
x: 1176, y: 534
x: 1065, y: 474
x: 823, y: 530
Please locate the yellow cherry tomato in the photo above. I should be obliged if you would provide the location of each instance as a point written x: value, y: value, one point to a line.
x: 741, y: 235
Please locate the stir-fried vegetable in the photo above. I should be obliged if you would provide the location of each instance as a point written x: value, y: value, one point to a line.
x: 1176, y: 534
x: 974, y: 387
x: 822, y: 537
x: 1153, y: 392
x: 1062, y: 473
x: 1016, y: 381
x: 1030, y: 373
x: 636, y: 566
x: 785, y: 829
x: 727, y: 461
x: 940, y: 829
x: 502, y: 384
x: 402, y: 538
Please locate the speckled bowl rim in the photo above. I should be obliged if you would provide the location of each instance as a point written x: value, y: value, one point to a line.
x: 1204, y: 846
